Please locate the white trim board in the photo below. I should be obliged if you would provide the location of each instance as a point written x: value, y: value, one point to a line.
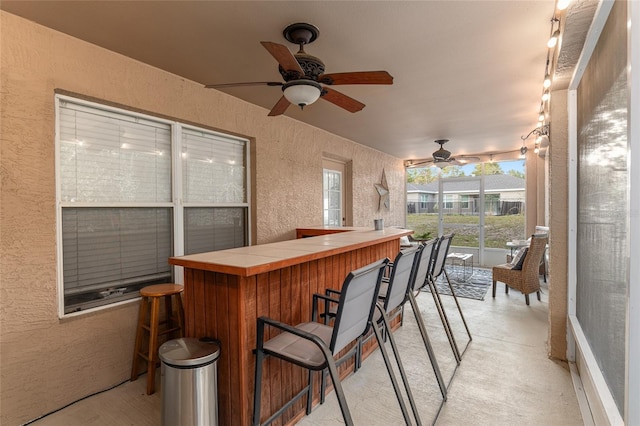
x: 601, y: 404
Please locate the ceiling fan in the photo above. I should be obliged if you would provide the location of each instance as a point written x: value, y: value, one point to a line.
x: 304, y: 77
x: 442, y: 158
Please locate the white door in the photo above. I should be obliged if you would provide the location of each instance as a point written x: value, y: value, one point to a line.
x: 333, y: 193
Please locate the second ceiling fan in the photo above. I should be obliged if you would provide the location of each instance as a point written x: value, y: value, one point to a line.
x: 442, y: 158
x: 304, y: 78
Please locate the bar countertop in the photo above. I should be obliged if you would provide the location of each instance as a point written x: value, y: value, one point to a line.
x: 253, y: 260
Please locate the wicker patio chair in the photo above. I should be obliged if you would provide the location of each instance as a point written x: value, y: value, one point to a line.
x: 527, y: 279
x: 544, y: 262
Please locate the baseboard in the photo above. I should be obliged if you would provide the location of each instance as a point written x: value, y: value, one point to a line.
x: 602, y: 409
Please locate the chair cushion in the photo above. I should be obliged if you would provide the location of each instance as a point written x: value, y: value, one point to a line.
x: 298, y: 350
x: 518, y: 259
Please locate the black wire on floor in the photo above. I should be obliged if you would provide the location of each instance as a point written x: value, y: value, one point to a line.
x: 76, y: 401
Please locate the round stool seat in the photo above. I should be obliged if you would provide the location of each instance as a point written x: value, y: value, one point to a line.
x: 160, y: 290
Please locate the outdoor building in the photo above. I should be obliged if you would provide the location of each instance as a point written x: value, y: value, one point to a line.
x: 503, y: 194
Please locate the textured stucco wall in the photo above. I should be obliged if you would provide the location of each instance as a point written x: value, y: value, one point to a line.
x: 559, y: 223
x: 46, y: 362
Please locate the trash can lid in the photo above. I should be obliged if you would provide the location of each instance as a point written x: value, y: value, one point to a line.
x: 189, y: 352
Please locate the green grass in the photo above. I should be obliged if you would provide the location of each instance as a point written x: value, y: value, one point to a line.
x: 498, y: 229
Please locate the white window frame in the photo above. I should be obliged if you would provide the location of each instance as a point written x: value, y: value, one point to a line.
x: 424, y: 199
x: 448, y: 201
x: 464, y: 201
x: 177, y: 205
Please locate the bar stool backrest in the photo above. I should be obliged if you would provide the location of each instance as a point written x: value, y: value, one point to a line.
x: 356, y: 304
x: 423, y: 260
x: 400, y: 279
x: 441, y: 255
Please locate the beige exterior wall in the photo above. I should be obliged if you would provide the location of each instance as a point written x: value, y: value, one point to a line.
x: 531, y: 189
x: 48, y: 362
x: 558, y: 155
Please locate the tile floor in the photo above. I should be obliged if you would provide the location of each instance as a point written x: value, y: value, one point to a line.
x: 505, y: 377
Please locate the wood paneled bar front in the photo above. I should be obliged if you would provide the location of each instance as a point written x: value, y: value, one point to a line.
x: 226, y: 291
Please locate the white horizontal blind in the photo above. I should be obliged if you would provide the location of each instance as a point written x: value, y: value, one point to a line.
x: 108, y: 158
x: 213, y: 167
x: 208, y: 229
x: 109, y: 248
x: 214, y: 179
x: 111, y: 157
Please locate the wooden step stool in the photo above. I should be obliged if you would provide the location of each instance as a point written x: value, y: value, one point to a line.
x: 173, y: 323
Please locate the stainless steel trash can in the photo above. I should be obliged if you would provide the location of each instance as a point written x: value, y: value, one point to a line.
x: 189, y: 382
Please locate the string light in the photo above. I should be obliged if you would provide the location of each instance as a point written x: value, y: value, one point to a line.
x: 554, y: 39
x: 542, y: 128
x: 545, y: 96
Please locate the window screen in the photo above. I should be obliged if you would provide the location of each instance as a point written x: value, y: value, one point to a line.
x: 602, y: 203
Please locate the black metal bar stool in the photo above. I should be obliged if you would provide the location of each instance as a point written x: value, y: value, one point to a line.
x: 313, y: 345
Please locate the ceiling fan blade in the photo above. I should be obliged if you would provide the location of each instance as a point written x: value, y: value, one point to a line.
x: 361, y: 77
x: 417, y: 163
x: 466, y: 159
x: 280, y: 107
x: 341, y: 100
x: 284, y: 56
x: 251, y: 83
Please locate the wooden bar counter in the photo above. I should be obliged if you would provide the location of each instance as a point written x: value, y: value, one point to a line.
x: 226, y: 291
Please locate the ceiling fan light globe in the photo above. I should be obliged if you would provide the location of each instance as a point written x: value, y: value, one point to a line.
x: 544, y: 141
x: 301, y: 92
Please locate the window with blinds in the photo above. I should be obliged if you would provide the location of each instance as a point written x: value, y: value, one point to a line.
x: 118, y: 199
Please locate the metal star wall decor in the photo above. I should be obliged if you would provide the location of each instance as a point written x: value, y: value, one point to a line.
x: 383, y: 192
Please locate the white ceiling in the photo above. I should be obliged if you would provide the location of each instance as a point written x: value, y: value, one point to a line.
x: 468, y: 71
